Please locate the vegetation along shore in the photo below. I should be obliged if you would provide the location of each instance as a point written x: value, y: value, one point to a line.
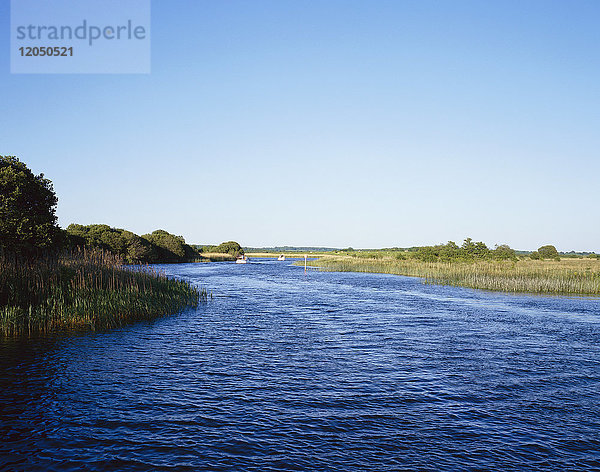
x: 52, y: 279
x: 84, y: 290
x: 474, y: 265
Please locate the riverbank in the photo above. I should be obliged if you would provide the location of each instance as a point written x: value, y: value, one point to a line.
x: 291, y: 255
x: 215, y: 257
x: 567, y: 276
x: 85, y: 290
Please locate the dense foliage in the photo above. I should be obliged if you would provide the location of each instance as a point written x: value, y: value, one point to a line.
x: 468, y: 251
x: 156, y: 247
x: 27, y: 210
x: 171, y: 248
x: 548, y: 252
x: 228, y: 247
x: 159, y: 246
x: 43, y: 289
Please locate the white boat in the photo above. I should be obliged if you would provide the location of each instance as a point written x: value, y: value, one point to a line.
x: 281, y: 258
x: 241, y: 260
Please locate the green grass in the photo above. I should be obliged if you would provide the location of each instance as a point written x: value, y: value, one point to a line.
x: 572, y: 276
x: 85, y: 290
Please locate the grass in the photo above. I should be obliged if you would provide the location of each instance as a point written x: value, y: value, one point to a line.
x: 215, y: 257
x: 84, y: 290
x: 275, y: 255
x: 567, y: 276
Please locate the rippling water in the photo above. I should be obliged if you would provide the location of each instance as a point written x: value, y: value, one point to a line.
x: 323, y: 371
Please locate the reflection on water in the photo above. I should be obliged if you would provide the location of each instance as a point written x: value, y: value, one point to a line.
x: 321, y: 371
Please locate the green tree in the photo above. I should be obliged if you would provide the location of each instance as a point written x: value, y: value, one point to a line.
x: 171, y: 248
x: 474, y: 249
x: 548, y: 252
x: 230, y: 247
x: 449, y: 251
x: 427, y: 254
x: 27, y: 209
x: 138, y: 248
x: 131, y: 247
x: 504, y: 253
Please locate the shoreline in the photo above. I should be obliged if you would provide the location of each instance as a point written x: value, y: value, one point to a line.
x: 291, y: 255
x: 85, y: 291
x: 579, y: 277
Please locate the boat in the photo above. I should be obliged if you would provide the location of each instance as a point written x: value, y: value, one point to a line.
x: 281, y: 258
x: 241, y: 260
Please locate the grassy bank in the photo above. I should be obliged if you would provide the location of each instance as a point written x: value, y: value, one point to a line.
x: 84, y: 290
x: 567, y: 276
x: 215, y: 257
x: 275, y: 255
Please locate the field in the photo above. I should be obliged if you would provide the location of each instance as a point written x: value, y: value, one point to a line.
x: 579, y: 276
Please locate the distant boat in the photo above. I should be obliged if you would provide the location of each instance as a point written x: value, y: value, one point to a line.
x: 281, y: 258
x: 241, y: 260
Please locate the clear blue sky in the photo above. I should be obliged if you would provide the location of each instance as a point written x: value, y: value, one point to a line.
x: 335, y: 123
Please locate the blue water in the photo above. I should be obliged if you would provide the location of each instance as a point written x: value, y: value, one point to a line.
x: 283, y: 370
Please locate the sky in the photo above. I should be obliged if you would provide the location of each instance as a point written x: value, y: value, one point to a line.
x: 330, y: 123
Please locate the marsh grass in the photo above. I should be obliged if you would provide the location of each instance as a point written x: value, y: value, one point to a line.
x: 572, y: 276
x: 84, y: 290
x: 215, y: 257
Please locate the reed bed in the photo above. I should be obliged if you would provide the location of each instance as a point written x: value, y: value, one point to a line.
x: 215, y: 257
x: 568, y: 276
x: 85, y: 290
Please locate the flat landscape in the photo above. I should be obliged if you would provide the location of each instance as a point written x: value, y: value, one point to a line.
x: 321, y: 236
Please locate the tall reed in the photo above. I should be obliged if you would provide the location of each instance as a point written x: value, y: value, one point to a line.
x: 88, y: 289
x: 569, y: 276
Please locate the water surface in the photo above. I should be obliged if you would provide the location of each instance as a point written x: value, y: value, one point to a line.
x: 284, y: 370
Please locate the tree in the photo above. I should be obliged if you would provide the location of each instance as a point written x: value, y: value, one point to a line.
x: 449, y: 252
x: 131, y: 247
x: 474, y: 249
x: 230, y: 247
x: 427, y: 254
x: 171, y: 248
x: 548, y: 252
x: 27, y: 209
x: 504, y: 252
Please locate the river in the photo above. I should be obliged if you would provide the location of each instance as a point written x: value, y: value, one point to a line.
x: 284, y: 370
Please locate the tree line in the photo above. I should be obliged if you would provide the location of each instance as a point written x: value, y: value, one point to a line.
x: 476, y: 250
x: 29, y: 228
x: 158, y: 246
